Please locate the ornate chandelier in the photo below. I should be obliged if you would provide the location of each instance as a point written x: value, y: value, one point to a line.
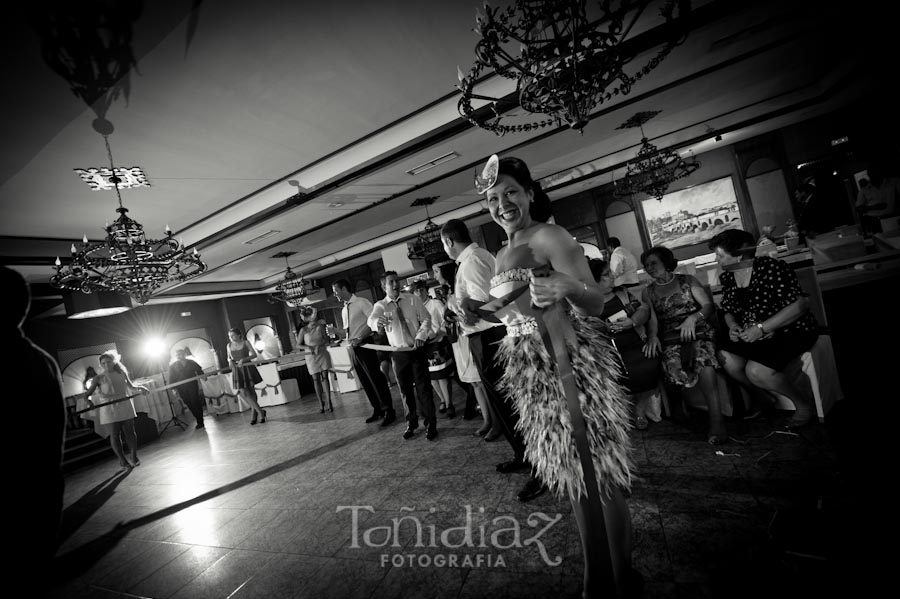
x: 652, y: 170
x: 427, y: 244
x: 293, y: 287
x: 572, y: 58
x: 126, y: 262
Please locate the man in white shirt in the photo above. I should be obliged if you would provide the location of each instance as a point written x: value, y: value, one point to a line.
x: 404, y: 319
x: 622, y: 265
x: 354, y: 316
x: 473, y: 282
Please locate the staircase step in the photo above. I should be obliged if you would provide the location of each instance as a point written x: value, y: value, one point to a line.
x: 72, y: 453
x: 73, y: 435
x: 82, y: 441
x: 97, y: 454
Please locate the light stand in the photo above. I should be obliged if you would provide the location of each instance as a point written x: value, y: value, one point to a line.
x: 175, y: 419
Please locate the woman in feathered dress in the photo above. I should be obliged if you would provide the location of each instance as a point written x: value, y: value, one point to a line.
x: 533, y: 375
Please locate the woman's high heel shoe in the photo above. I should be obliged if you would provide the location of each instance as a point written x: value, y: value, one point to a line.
x: 262, y: 418
x: 253, y: 420
x: 330, y: 407
x: 322, y: 409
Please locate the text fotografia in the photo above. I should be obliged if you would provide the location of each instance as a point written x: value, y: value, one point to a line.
x: 500, y: 533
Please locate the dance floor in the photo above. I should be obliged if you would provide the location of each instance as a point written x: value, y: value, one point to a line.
x: 324, y: 505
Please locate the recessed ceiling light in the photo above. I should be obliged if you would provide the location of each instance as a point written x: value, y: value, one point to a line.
x: 265, y: 235
x: 433, y: 163
x: 335, y: 204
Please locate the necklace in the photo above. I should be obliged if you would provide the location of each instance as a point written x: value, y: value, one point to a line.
x: 671, y: 278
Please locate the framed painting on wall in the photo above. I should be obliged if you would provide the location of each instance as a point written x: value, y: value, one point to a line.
x: 692, y: 215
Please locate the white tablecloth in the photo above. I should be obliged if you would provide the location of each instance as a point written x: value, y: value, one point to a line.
x: 343, y: 368
x: 222, y: 397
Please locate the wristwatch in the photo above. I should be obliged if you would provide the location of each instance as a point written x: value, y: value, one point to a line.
x: 760, y: 327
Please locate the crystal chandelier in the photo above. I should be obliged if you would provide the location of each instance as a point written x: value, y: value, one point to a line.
x: 652, y: 170
x: 427, y: 244
x: 572, y: 58
x: 293, y: 287
x: 126, y: 262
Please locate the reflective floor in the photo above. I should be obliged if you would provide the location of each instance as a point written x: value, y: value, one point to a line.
x: 324, y: 505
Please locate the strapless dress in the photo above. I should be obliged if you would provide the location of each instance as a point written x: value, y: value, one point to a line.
x: 531, y: 380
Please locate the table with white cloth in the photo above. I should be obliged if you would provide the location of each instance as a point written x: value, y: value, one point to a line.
x: 343, y: 368
x: 222, y: 398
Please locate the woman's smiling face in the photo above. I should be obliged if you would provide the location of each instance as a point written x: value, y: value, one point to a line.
x: 508, y: 202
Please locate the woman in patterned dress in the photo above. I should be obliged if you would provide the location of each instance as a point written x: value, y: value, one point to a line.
x: 313, y: 340
x: 532, y: 376
x: 244, y: 376
x: 685, y: 337
x: 768, y: 318
x: 112, y: 384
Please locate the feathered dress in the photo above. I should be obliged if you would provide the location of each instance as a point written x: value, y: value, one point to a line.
x: 531, y: 379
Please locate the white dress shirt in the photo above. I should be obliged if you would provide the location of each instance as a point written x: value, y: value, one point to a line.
x: 414, y: 314
x: 435, y: 309
x: 623, y: 267
x: 473, y: 280
x: 354, y: 315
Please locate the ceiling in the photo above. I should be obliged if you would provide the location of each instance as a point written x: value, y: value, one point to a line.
x: 303, y: 118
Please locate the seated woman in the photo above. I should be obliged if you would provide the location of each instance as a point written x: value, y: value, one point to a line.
x: 684, y: 334
x: 641, y: 372
x: 768, y: 319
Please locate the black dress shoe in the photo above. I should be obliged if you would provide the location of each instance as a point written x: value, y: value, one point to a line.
x: 389, y: 418
x: 408, y: 433
x: 431, y: 432
x: 533, y: 488
x: 373, y: 418
x: 511, y: 466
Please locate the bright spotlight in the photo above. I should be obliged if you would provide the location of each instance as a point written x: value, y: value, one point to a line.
x: 154, y: 347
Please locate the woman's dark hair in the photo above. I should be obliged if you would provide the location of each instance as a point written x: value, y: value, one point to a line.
x: 514, y: 167
x: 448, y: 272
x: 597, y: 267
x: 117, y: 365
x: 735, y: 242
x: 664, y: 254
x: 237, y: 330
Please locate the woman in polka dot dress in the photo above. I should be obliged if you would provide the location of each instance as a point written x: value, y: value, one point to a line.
x: 768, y: 318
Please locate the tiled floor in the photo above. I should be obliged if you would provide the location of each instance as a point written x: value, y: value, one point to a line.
x: 239, y: 511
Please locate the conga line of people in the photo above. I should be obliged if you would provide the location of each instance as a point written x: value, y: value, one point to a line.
x: 555, y: 349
